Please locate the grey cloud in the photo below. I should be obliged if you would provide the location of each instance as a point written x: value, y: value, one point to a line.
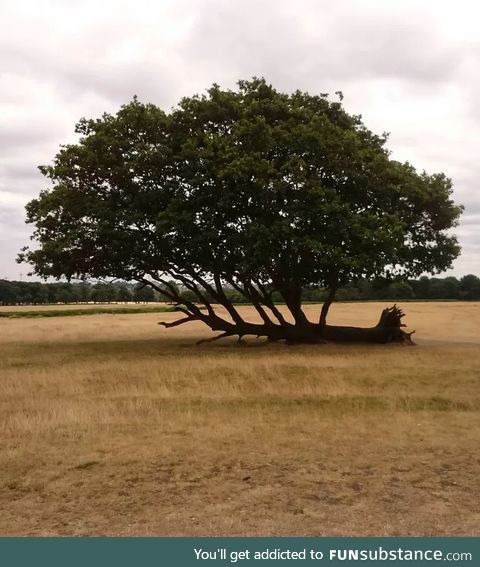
x: 14, y: 235
x: 12, y: 227
x: 472, y: 220
x: 119, y: 84
x: 8, y: 267
x: 20, y: 137
x: 77, y: 64
x: 20, y: 171
x: 311, y: 44
x: 21, y: 177
x: 318, y: 43
x: 382, y: 55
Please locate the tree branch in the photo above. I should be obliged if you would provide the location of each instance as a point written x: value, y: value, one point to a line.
x: 173, y: 295
x: 267, y: 299
x: 168, y: 324
x: 194, y: 289
x: 326, y: 305
x: 219, y: 294
x: 293, y: 302
x: 256, y: 299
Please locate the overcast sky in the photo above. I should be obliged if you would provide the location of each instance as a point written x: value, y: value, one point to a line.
x: 410, y: 68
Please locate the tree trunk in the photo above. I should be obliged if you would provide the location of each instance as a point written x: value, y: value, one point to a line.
x: 388, y: 329
x: 326, y: 306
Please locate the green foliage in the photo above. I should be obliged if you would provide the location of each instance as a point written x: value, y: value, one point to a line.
x: 470, y: 287
x: 251, y: 186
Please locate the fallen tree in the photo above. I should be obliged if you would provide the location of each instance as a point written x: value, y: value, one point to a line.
x: 388, y: 329
x: 264, y: 192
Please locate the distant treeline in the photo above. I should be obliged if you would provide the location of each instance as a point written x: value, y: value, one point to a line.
x: 466, y: 288
x: 37, y: 293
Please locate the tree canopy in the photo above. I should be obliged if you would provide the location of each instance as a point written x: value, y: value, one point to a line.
x: 252, y: 188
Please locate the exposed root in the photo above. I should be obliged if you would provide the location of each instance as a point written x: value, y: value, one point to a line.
x: 391, y: 317
x: 408, y: 339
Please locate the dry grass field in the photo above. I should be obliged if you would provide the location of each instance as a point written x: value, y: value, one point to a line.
x: 75, y: 306
x: 111, y: 424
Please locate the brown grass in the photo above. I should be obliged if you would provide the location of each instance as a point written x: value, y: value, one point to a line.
x: 111, y: 424
x: 75, y: 306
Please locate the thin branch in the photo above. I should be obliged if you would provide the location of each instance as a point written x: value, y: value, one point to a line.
x: 174, y: 296
x: 326, y: 305
x: 256, y: 300
x: 223, y: 299
x: 168, y: 324
x: 163, y: 291
x: 294, y: 306
x: 219, y: 295
x: 194, y: 289
x: 211, y: 319
x: 181, y: 309
x: 262, y: 296
x: 274, y: 309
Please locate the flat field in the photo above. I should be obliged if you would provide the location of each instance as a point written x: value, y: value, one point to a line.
x: 76, y: 306
x: 112, y: 425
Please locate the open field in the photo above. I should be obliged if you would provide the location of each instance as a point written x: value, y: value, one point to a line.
x: 79, y: 311
x: 110, y: 424
x: 76, y: 306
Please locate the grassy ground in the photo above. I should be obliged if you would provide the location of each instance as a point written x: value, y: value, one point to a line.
x: 76, y: 306
x: 71, y: 311
x: 110, y: 424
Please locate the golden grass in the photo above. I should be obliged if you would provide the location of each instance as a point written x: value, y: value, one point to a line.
x: 111, y: 424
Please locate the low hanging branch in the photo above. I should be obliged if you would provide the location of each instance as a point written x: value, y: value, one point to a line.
x: 169, y: 324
